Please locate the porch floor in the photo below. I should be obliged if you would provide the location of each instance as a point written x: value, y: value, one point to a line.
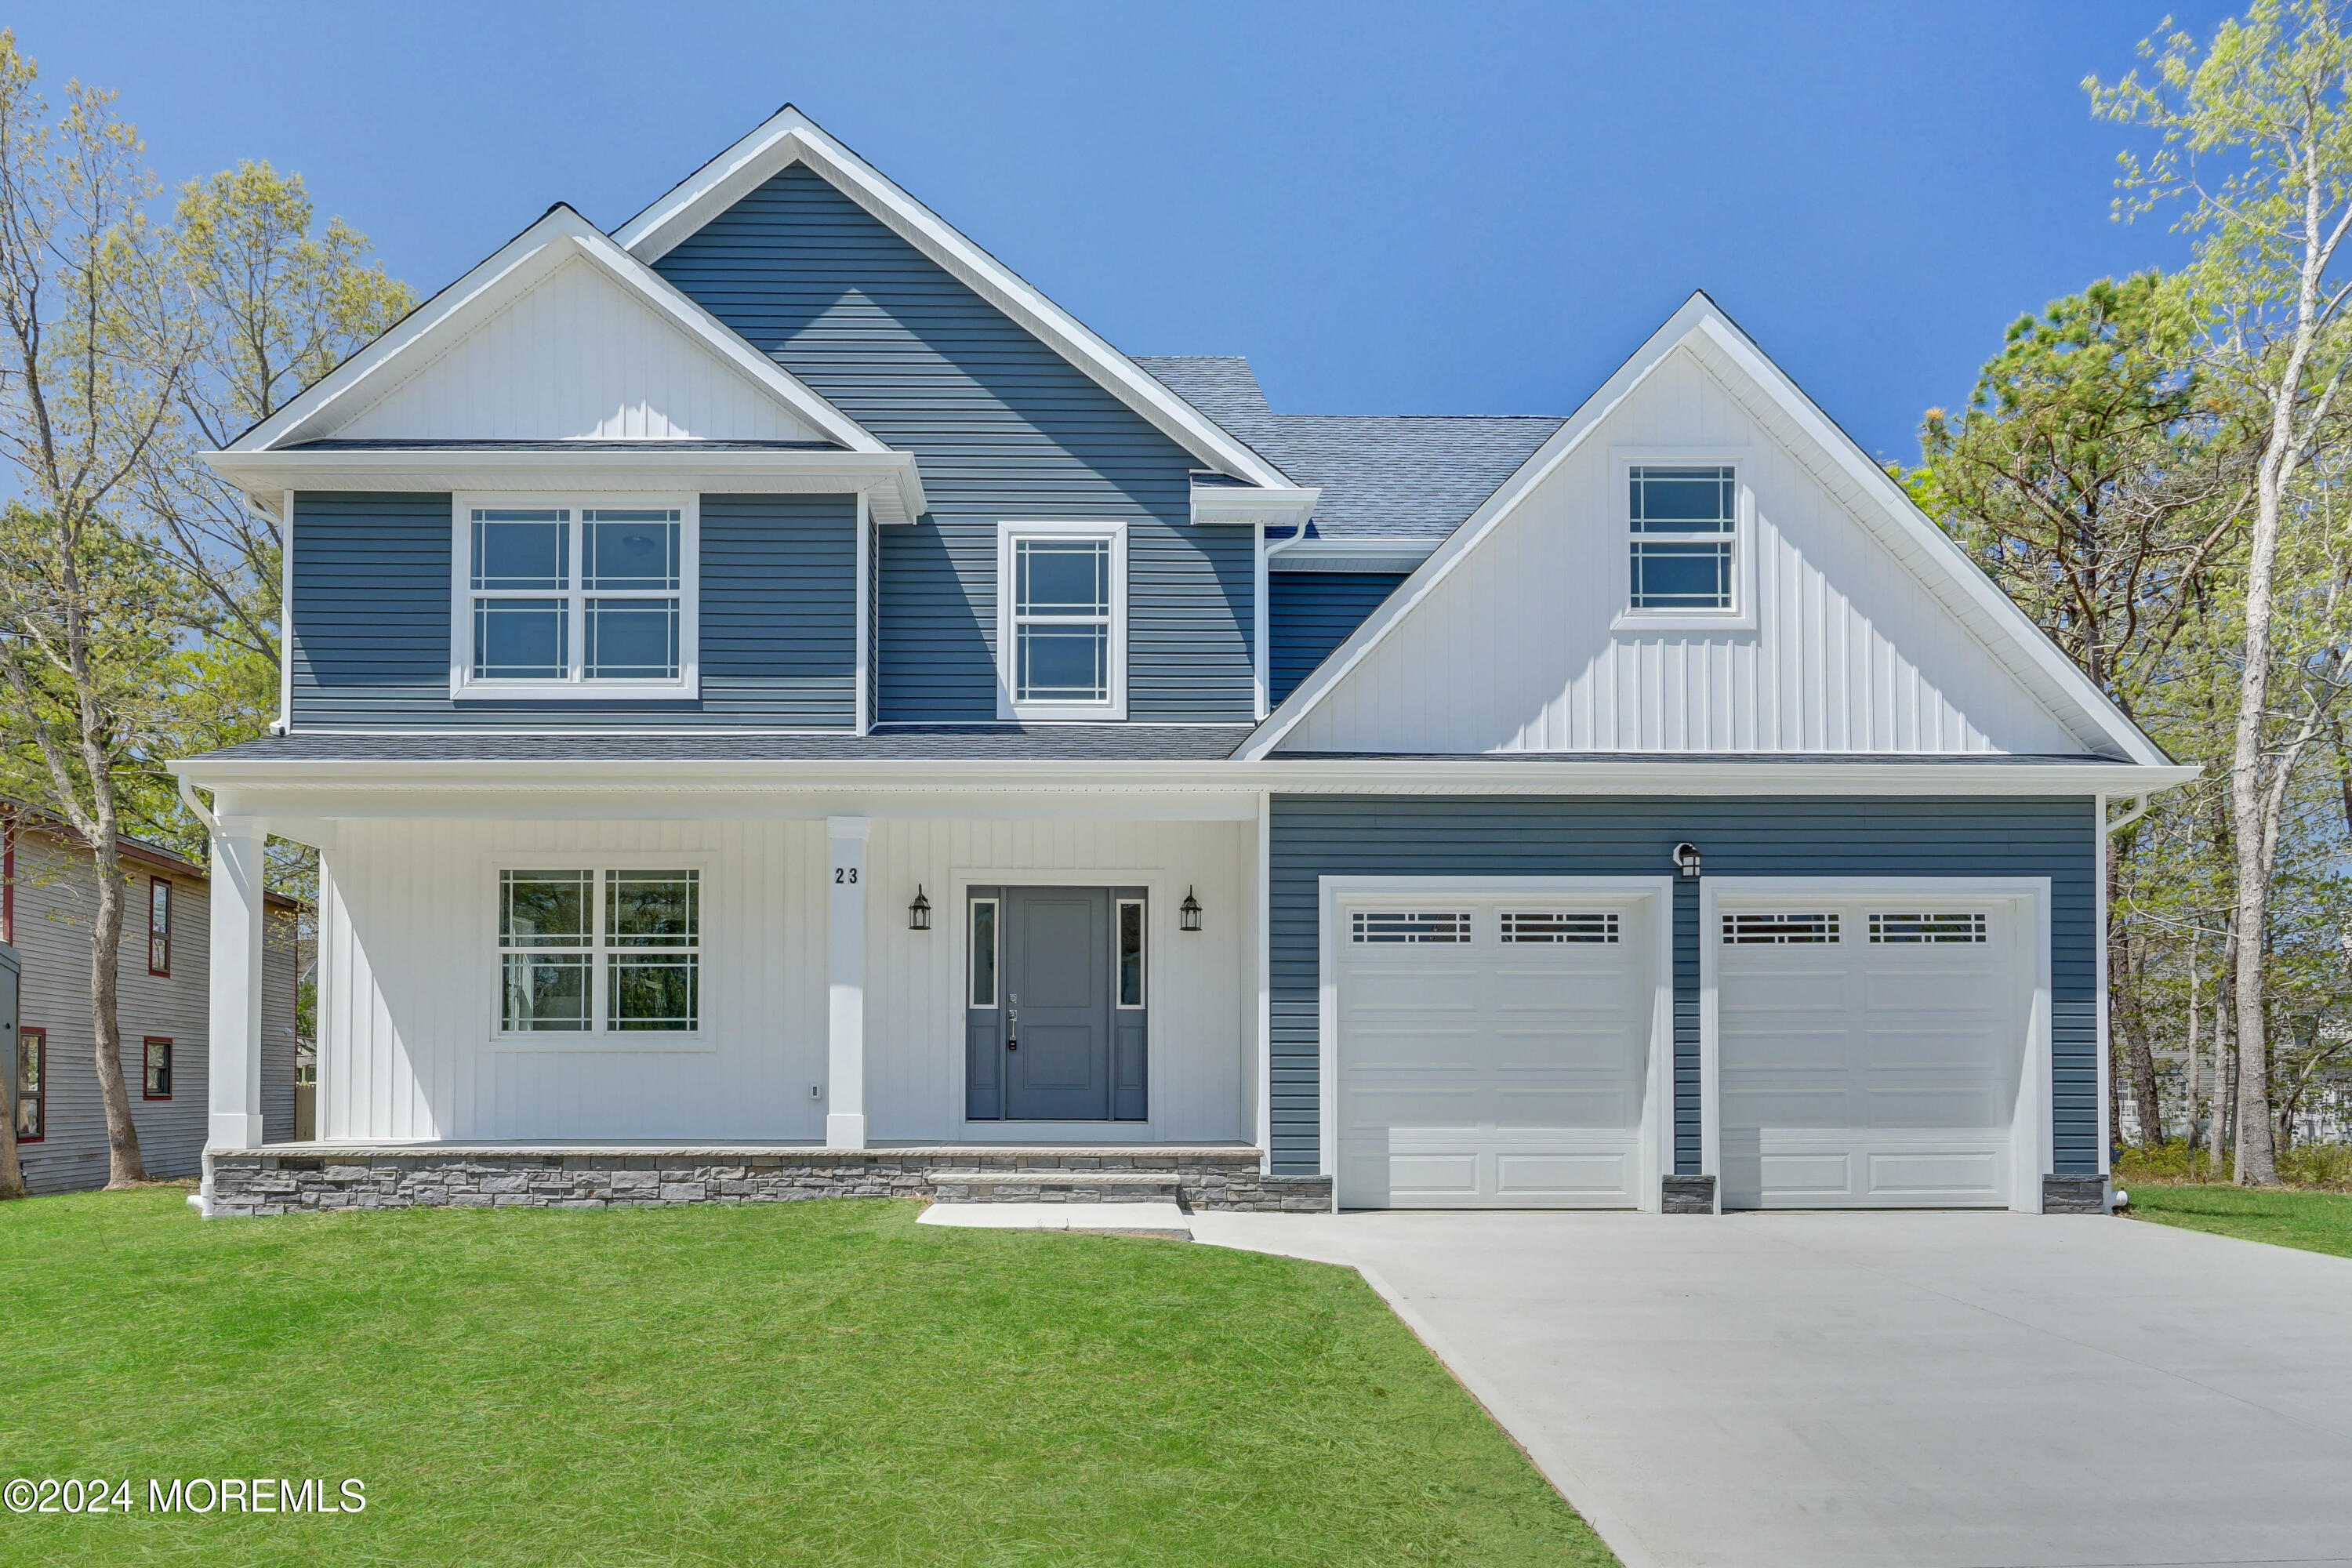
x: 656, y: 1148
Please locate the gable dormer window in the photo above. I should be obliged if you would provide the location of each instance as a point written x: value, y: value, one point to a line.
x: 1685, y: 547
x: 1061, y: 618
x: 568, y: 598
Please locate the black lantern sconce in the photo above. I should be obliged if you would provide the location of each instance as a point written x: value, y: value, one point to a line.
x: 919, y: 913
x: 1686, y: 858
x: 1188, y: 913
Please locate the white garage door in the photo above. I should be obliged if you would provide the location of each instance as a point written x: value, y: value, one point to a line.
x: 1493, y: 1052
x: 1870, y: 1051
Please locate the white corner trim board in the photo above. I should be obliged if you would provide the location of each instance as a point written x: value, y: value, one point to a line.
x: 790, y: 137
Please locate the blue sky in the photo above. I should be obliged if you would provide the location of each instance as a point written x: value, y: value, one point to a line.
x: 1392, y: 208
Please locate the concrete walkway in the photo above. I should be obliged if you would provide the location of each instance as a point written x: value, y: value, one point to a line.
x: 1902, y: 1391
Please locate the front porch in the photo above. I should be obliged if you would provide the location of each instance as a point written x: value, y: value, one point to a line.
x: 294, y: 1178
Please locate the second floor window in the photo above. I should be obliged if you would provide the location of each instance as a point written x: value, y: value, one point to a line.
x: 159, y: 926
x: 576, y: 600
x: 1062, y: 619
x: 1685, y: 522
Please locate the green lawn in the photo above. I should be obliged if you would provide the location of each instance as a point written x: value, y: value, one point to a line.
x: 2286, y: 1216
x: 815, y: 1383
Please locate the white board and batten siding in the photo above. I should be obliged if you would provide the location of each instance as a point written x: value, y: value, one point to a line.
x: 577, y: 357
x: 1514, y: 650
x: 54, y: 904
x: 409, y: 981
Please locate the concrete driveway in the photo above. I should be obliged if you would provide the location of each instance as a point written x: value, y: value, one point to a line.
x: 1912, y: 1391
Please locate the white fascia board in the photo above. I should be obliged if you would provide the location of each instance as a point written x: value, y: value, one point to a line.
x: 1326, y: 553
x: 788, y: 137
x: 1936, y: 556
x: 1922, y: 545
x: 888, y: 479
x: 1065, y: 778
x: 1283, y: 506
x: 419, y: 338
x: 1474, y: 528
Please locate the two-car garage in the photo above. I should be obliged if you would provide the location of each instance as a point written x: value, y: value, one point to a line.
x: 1508, y: 1043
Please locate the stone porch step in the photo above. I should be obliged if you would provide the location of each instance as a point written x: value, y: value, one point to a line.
x: 1053, y: 1177
x: 1161, y: 1219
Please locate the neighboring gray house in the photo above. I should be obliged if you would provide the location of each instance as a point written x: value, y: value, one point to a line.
x: 46, y: 900
x: 784, y: 708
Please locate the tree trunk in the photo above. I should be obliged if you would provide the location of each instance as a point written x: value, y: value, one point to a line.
x: 123, y: 1166
x: 2256, y: 1164
x: 2217, y: 1132
x: 2189, y: 1085
x: 12, y: 1173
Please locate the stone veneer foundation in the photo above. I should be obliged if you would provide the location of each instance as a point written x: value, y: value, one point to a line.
x: 299, y: 1178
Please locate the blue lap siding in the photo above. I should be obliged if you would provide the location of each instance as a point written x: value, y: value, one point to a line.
x: 369, y: 634
x: 1311, y: 613
x: 1317, y: 835
x: 1005, y: 429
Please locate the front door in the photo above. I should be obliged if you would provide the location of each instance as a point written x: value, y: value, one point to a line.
x: 1055, y: 1020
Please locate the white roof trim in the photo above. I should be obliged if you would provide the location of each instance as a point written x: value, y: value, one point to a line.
x: 889, y: 480
x: 790, y: 137
x: 418, y: 339
x: 1283, y: 507
x: 1931, y: 555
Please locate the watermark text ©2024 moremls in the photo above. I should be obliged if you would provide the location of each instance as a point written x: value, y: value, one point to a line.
x: 203, y: 1494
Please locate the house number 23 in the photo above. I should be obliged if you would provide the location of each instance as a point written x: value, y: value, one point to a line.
x: 844, y: 875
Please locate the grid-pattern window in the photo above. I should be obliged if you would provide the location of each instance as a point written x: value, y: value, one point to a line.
x: 1549, y: 926
x: 1061, y: 619
x: 157, y: 1083
x: 159, y: 926
x: 1778, y: 930
x: 1401, y: 926
x: 571, y: 961
x: 1685, y: 527
x: 1927, y: 927
x: 32, y: 1085
x: 581, y: 596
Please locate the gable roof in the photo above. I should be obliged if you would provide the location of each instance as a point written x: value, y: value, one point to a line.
x: 1383, y: 476
x: 1873, y: 497
x: 443, y: 323
x: 790, y: 137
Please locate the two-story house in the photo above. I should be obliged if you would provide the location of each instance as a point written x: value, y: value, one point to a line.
x: 785, y: 708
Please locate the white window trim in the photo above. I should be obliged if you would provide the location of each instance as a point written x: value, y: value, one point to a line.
x: 463, y: 686
x: 1007, y: 534
x: 597, y: 1040
x: 1741, y: 616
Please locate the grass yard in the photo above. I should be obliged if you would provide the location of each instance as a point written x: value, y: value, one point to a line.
x: 2285, y: 1217
x: 816, y: 1382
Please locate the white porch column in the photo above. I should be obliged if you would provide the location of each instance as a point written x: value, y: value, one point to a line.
x: 234, y: 1052
x: 844, y: 1090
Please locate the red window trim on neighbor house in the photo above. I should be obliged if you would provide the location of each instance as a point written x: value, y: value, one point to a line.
x: 147, y: 1067
x: 159, y: 926
x: 36, y: 1043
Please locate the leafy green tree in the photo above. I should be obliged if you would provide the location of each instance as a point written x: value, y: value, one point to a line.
x: 2090, y: 481
x: 92, y: 351
x: 2253, y: 136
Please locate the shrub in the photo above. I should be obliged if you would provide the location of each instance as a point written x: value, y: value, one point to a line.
x: 2304, y: 1165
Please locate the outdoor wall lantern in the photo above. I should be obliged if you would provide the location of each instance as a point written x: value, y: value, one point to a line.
x: 1686, y: 858
x: 1188, y: 913
x: 919, y: 913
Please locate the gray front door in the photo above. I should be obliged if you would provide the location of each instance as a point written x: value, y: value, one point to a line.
x: 1058, y: 1004
x: 1056, y: 1019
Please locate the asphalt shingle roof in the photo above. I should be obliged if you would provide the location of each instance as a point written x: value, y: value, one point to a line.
x: 1384, y: 476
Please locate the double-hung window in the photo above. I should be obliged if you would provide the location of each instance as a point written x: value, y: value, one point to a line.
x: 1062, y: 621
x: 157, y: 1080
x: 1685, y: 522
x: 587, y: 952
x: 584, y: 600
